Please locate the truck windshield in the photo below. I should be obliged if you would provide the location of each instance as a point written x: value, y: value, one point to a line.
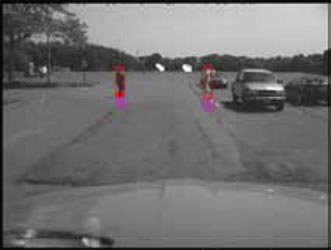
x: 258, y: 77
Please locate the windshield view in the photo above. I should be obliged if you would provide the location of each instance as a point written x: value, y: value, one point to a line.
x: 258, y: 77
x: 130, y: 125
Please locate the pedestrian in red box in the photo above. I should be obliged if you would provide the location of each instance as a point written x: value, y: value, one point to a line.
x: 207, y: 81
x: 120, y: 81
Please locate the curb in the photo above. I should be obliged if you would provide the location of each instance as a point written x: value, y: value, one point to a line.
x: 26, y: 85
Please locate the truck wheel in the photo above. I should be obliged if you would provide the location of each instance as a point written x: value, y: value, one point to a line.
x: 309, y: 99
x: 235, y: 98
x: 299, y: 99
x: 244, y: 105
x: 280, y: 106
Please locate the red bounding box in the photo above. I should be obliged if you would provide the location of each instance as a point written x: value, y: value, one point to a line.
x: 120, y: 81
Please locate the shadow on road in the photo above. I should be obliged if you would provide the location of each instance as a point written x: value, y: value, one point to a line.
x: 237, y: 107
x: 311, y: 105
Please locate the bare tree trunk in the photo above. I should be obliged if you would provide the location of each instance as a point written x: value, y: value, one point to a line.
x: 82, y: 51
x: 11, y: 60
x: 48, y: 61
x: 84, y: 77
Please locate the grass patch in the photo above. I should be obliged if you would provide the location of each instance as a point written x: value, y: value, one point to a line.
x: 25, y: 85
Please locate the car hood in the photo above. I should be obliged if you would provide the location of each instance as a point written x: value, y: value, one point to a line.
x: 264, y: 86
x: 182, y: 213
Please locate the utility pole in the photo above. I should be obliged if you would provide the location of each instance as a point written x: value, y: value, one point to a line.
x: 48, y: 42
x: 84, y: 62
x: 48, y: 60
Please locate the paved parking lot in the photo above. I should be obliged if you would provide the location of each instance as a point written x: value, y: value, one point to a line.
x: 62, y: 137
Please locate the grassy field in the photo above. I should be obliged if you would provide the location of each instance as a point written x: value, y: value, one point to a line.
x: 64, y: 77
x: 58, y: 79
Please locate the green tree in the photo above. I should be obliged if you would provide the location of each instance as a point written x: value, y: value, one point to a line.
x: 22, y: 21
x: 152, y: 60
x: 19, y: 22
x: 67, y: 28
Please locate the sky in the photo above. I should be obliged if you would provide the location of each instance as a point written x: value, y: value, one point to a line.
x: 178, y: 30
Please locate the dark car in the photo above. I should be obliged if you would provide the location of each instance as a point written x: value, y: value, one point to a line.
x: 219, y: 81
x: 308, y: 91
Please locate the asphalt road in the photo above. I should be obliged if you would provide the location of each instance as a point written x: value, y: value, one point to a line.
x: 63, y: 137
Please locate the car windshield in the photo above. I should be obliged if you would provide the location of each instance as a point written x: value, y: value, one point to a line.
x: 258, y: 77
x: 111, y: 95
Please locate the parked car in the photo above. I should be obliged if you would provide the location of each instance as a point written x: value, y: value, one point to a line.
x: 258, y: 86
x: 219, y: 81
x: 308, y: 91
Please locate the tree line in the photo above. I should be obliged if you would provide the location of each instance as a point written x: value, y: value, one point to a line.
x: 64, y: 45
x: 100, y: 58
x: 50, y: 22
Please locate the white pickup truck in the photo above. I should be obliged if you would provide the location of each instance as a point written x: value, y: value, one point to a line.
x: 258, y: 86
